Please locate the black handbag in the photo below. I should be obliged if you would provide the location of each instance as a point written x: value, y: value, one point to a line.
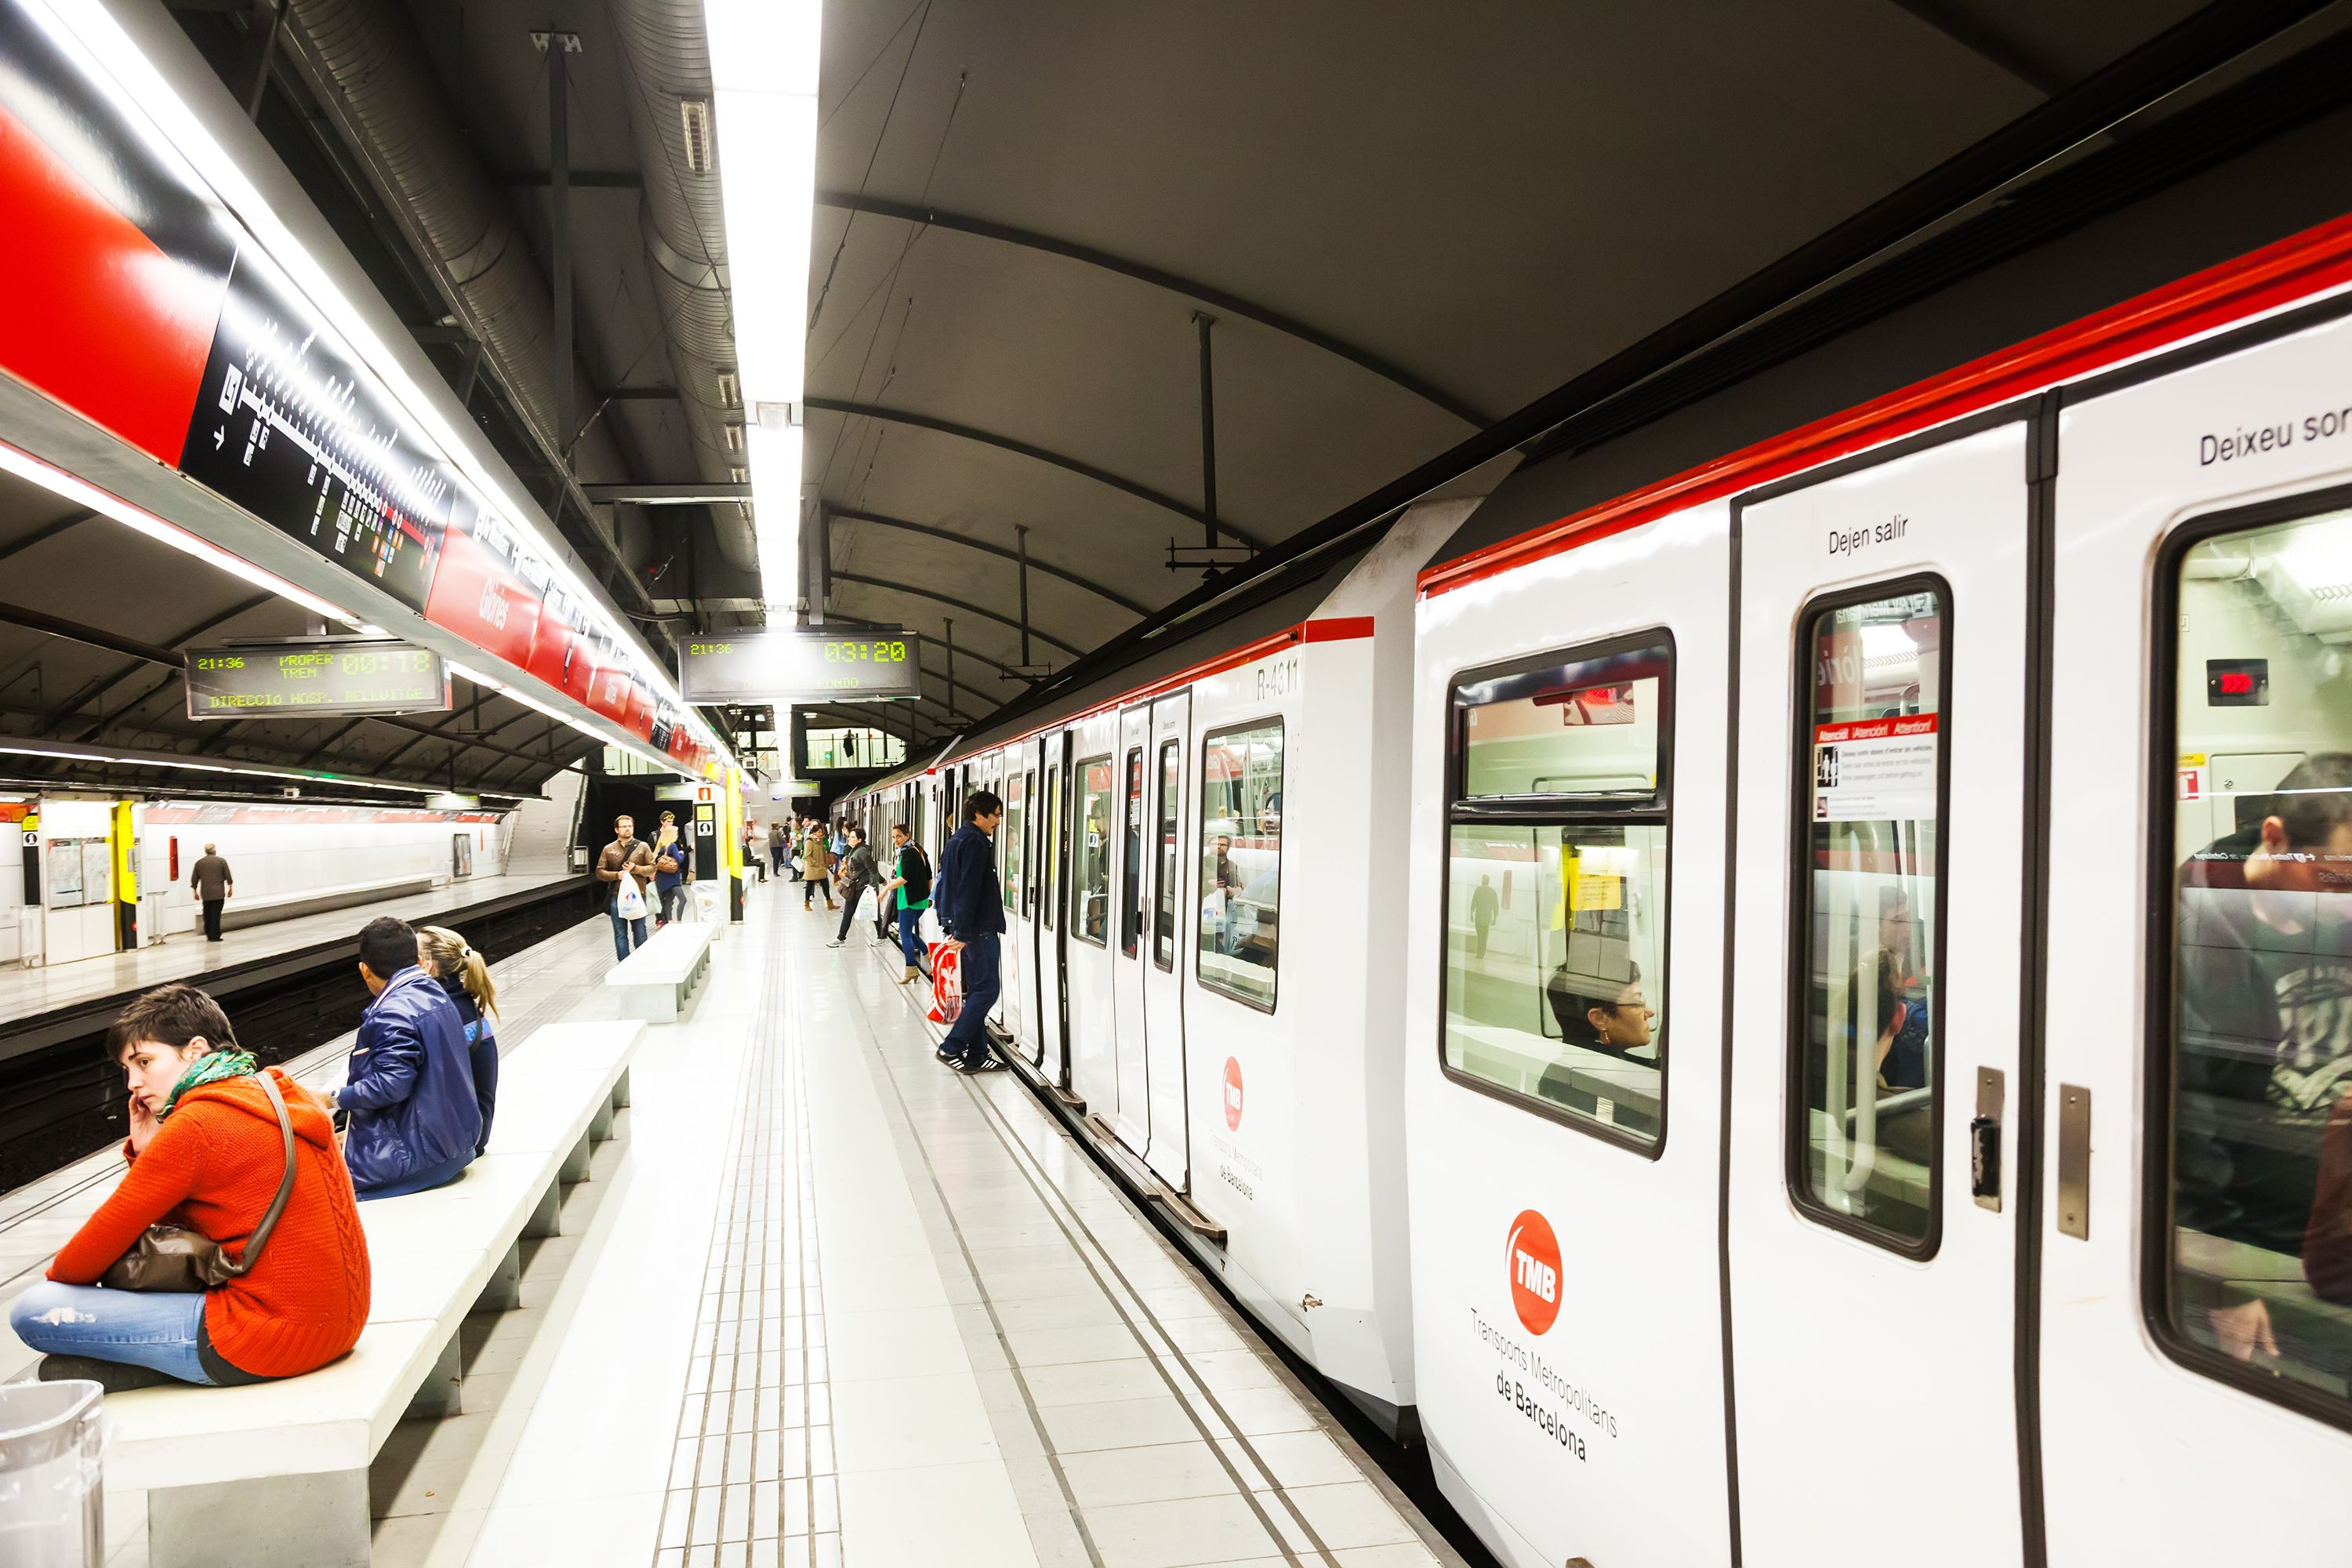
x: 173, y: 1258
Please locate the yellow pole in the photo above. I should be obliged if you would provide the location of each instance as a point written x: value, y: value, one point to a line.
x: 733, y: 849
x: 126, y: 877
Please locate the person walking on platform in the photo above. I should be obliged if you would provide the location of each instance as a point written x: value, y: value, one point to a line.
x: 464, y: 977
x: 817, y: 868
x: 673, y: 869
x: 971, y: 912
x: 415, y: 1117
x: 207, y: 1152
x: 911, y: 881
x: 214, y: 885
x: 631, y: 857
x: 857, y: 874
x: 776, y: 846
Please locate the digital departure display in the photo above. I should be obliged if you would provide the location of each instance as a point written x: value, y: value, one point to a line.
x: 802, y: 666
x: 315, y: 678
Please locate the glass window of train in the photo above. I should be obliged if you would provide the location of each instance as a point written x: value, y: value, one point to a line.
x: 1046, y: 836
x: 1016, y: 816
x: 1131, y: 914
x: 1240, y: 861
x: 1163, y: 939
x: 1869, y: 879
x: 2256, y: 1043
x: 1583, y: 725
x: 1556, y: 886
x: 1090, y: 847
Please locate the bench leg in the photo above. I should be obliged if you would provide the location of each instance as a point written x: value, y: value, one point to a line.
x: 600, y: 1126
x: 504, y: 1291
x: 621, y: 1089
x: 575, y: 1164
x: 317, y: 1521
x: 547, y: 1219
x: 440, y: 1397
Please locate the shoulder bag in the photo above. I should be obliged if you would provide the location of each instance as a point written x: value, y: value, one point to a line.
x: 173, y: 1258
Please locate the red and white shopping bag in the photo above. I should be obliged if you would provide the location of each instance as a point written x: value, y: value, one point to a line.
x: 947, y: 983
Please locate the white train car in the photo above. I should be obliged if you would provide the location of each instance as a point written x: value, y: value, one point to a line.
x: 1879, y: 972
x: 1188, y: 852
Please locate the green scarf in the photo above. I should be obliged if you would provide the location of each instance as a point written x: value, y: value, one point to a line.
x: 211, y: 1068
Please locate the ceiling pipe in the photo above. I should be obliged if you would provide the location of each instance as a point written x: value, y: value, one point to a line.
x: 667, y: 62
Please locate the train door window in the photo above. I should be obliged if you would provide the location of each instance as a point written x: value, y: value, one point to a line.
x: 1016, y: 818
x: 2252, y: 1252
x: 1868, y: 883
x: 1240, y: 861
x: 1090, y: 847
x: 1131, y: 914
x: 1556, y: 886
x: 1047, y: 837
x: 1163, y: 938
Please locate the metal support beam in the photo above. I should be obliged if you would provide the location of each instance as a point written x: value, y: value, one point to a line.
x: 1231, y: 304
x: 963, y: 604
x: 1021, y: 533
x: 96, y: 691
x: 1204, y: 321
x: 951, y: 642
x: 1008, y: 443
x: 44, y: 534
x: 950, y: 536
x: 557, y: 46
x: 260, y: 50
x: 582, y: 179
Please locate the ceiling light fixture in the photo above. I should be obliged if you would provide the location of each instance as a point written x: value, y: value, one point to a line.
x: 764, y: 62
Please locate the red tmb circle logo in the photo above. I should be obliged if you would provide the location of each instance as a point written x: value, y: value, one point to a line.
x: 1531, y: 1255
x: 1233, y: 1095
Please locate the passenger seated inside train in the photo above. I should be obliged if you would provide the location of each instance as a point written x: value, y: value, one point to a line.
x: 1602, y: 1012
x: 232, y: 1252
x: 415, y: 1119
x: 1900, y: 1049
x: 464, y: 977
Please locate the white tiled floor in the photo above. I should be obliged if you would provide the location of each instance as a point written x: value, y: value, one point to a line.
x: 826, y: 1302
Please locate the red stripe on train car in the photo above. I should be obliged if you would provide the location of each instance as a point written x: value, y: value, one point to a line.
x: 1337, y: 628
x: 91, y: 312
x: 2280, y: 274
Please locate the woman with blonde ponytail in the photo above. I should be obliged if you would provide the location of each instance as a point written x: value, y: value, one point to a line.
x: 466, y: 976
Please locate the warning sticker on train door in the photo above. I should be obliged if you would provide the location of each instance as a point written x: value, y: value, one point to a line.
x: 1874, y: 770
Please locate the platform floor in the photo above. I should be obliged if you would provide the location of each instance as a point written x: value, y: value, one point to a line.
x: 827, y: 1302
x: 27, y: 992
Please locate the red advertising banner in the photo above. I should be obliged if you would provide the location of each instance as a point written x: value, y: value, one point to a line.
x: 476, y: 596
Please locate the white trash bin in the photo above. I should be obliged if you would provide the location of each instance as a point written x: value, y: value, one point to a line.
x: 52, y: 1448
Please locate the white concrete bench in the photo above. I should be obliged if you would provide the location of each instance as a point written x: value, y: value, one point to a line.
x: 656, y: 980
x: 239, y: 914
x: 277, y: 1473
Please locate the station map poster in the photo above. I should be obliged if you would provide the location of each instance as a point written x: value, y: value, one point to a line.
x: 135, y: 298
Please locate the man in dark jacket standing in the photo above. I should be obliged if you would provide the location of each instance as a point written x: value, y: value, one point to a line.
x: 415, y: 1117
x: 971, y: 911
x: 213, y: 884
x: 857, y: 874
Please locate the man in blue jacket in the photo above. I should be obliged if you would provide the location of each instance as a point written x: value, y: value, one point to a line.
x: 970, y: 910
x: 415, y: 1117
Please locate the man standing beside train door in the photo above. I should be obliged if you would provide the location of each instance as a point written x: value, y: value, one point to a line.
x: 214, y: 886
x: 971, y: 909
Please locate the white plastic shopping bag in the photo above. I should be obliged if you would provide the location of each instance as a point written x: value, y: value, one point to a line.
x: 630, y: 902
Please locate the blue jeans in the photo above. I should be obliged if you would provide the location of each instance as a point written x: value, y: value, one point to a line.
x: 967, y: 1035
x: 416, y: 1181
x: 910, y: 937
x: 159, y: 1330
x: 623, y: 930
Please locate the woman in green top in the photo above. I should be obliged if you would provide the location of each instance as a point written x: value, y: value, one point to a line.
x: 911, y: 880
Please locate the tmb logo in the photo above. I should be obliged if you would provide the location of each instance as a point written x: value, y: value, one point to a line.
x: 1532, y: 1257
x: 1233, y: 1095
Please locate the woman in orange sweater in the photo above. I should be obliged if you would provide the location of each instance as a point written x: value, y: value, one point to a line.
x: 206, y: 1152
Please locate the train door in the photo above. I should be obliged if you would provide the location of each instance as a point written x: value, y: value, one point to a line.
x: 1035, y: 993
x: 1092, y: 937
x: 1170, y: 1152
x: 1875, y: 1002
x: 1128, y: 962
x: 2196, y: 1251
x: 1053, y: 980
x: 1012, y: 856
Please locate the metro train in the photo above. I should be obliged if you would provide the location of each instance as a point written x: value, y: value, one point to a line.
x: 1805, y: 1009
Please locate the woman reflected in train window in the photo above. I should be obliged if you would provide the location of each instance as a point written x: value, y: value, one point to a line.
x: 1602, y: 1013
